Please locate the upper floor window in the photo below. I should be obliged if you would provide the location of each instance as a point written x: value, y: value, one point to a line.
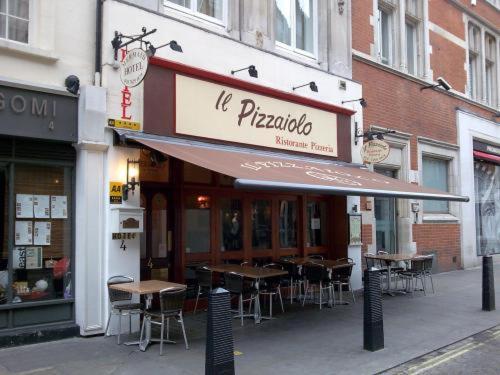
x: 213, y: 9
x: 295, y: 25
x: 474, y: 61
x: 490, y: 55
x: 14, y: 20
x: 385, y: 24
x: 413, y: 23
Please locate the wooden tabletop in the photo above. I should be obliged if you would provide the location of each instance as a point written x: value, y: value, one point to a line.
x: 146, y: 287
x: 395, y: 257
x: 247, y: 271
x: 328, y: 263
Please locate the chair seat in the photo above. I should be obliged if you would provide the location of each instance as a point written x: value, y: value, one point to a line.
x: 158, y: 314
x: 128, y: 306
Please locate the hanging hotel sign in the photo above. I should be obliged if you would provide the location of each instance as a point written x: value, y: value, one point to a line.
x: 215, y: 111
x: 375, y: 151
x: 134, y: 67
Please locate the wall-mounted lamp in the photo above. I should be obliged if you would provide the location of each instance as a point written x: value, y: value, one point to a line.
x: 72, y: 84
x: 440, y: 82
x: 312, y: 86
x: 496, y: 115
x: 355, y: 208
x: 251, y: 71
x: 174, y: 46
x: 362, y: 102
x: 132, y: 178
x: 369, y: 135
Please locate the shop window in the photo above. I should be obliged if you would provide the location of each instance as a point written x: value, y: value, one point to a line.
x: 487, y: 192
x: 197, y: 235
x: 435, y: 175
x: 159, y: 226
x: 14, y: 20
x: 231, y: 217
x: 261, y: 224
x: 288, y: 223
x: 4, y: 252
x: 196, y: 174
x: 41, y: 255
x: 211, y: 9
x: 316, y: 224
x: 295, y: 25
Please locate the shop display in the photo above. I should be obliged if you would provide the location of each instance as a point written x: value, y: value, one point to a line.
x: 24, y: 206
x: 42, y: 233
x: 41, y: 206
x: 59, y: 207
x: 24, y: 233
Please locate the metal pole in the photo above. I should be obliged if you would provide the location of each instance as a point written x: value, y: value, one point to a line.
x: 373, y: 323
x: 488, y: 284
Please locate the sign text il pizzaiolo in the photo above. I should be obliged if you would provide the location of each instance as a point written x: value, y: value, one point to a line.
x: 209, y: 110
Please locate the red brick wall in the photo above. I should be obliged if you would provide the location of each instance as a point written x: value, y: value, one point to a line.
x: 362, y: 31
x: 444, y: 239
x: 448, y: 17
x: 366, y: 237
x: 482, y: 9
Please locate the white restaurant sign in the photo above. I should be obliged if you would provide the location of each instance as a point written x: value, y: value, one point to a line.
x: 215, y: 111
x: 134, y: 67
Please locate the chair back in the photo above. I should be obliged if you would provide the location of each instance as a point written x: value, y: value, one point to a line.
x: 118, y: 295
x: 418, y: 264
x: 291, y: 268
x: 204, y: 277
x: 276, y: 280
x: 316, y: 256
x: 347, y: 260
x: 382, y: 252
x: 315, y: 273
x: 343, y: 273
x: 370, y: 262
x: 428, y: 261
x: 233, y: 282
x: 172, y: 299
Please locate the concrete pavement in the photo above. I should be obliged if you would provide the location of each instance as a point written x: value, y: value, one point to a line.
x: 302, y: 340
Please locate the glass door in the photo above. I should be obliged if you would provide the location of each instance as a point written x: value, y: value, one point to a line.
x: 156, y: 240
x: 385, y: 218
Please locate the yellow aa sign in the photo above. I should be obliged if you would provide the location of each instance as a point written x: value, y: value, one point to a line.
x: 115, y: 192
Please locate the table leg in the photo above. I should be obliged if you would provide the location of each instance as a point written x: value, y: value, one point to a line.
x: 257, y: 313
x: 147, y: 327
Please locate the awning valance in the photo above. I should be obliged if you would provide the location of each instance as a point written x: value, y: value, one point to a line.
x: 255, y: 169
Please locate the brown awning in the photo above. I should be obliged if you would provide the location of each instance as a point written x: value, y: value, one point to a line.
x: 255, y: 169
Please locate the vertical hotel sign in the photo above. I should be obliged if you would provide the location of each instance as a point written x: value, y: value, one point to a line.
x: 209, y: 110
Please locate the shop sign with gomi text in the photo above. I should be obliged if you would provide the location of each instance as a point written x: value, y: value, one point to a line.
x: 214, y: 111
x: 375, y: 151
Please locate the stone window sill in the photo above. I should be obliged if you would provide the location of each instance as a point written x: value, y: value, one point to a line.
x: 7, y: 46
x: 440, y: 218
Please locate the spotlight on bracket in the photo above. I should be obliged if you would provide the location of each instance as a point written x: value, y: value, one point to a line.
x: 72, y: 84
x: 174, y: 46
x: 252, y: 72
x: 312, y: 86
x: 440, y: 82
x: 362, y: 102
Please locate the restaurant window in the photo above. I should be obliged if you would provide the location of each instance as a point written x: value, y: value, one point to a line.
x: 435, y: 175
x: 491, y: 69
x: 231, y: 216
x: 14, y: 20
x: 288, y: 223
x: 261, y: 224
x: 159, y: 226
x: 316, y: 224
x: 211, y: 9
x: 197, y: 234
x: 487, y: 194
x: 474, y: 61
x: 295, y: 25
x: 196, y: 174
x: 42, y: 244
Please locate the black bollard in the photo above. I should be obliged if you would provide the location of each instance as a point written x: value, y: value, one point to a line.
x: 219, y: 359
x: 488, y: 284
x: 373, y: 323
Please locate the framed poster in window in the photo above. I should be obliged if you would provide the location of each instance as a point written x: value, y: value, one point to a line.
x: 354, y: 229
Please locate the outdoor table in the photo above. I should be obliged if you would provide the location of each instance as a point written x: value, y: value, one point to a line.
x: 389, y: 259
x: 254, y: 273
x: 146, y: 288
x: 327, y: 263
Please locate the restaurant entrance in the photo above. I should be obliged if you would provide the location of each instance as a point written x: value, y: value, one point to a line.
x: 156, y: 241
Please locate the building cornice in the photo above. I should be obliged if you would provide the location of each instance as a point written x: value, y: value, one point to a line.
x: 434, y: 142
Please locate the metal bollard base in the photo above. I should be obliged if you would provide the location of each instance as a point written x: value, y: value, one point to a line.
x: 488, y: 284
x: 373, y: 319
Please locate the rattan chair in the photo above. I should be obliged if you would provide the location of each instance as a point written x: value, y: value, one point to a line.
x: 317, y: 278
x: 171, y: 305
x: 121, y: 304
x: 414, y: 273
x: 295, y: 279
x: 204, y: 280
x: 342, y: 277
x: 238, y: 286
x: 272, y: 287
x: 316, y: 256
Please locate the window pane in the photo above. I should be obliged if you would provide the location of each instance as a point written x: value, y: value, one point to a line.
x: 159, y: 226
x: 316, y: 224
x: 3, y: 6
x: 261, y: 224
x: 4, y: 227
x: 411, y: 52
x: 198, y: 224
x: 305, y: 25
x: 19, y: 8
x: 283, y: 18
x: 487, y: 192
x: 435, y: 175
x: 182, y: 3
x: 288, y: 224
x: 41, y: 263
x: 18, y: 30
x: 3, y: 26
x: 212, y: 8
x: 231, y: 216
x: 384, y: 31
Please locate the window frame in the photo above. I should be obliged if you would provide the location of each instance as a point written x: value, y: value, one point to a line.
x: 29, y: 20
x: 192, y: 11
x: 293, y: 47
x: 447, y: 166
x: 390, y: 10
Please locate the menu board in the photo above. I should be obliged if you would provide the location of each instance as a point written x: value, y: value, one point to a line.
x: 24, y: 233
x: 41, y: 206
x: 41, y: 233
x: 355, y: 229
x: 24, y: 206
x: 59, y: 207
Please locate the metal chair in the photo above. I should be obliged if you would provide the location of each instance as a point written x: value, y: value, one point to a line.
x: 316, y: 256
x: 121, y: 304
x: 413, y: 274
x: 236, y: 285
x: 272, y: 287
x: 204, y: 279
x: 295, y: 278
x: 171, y: 305
x: 342, y: 277
x: 428, y: 261
x: 317, y: 276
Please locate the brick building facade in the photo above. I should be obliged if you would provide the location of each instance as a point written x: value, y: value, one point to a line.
x: 399, y: 48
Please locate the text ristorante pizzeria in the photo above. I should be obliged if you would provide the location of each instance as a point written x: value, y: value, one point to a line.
x: 251, y: 114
